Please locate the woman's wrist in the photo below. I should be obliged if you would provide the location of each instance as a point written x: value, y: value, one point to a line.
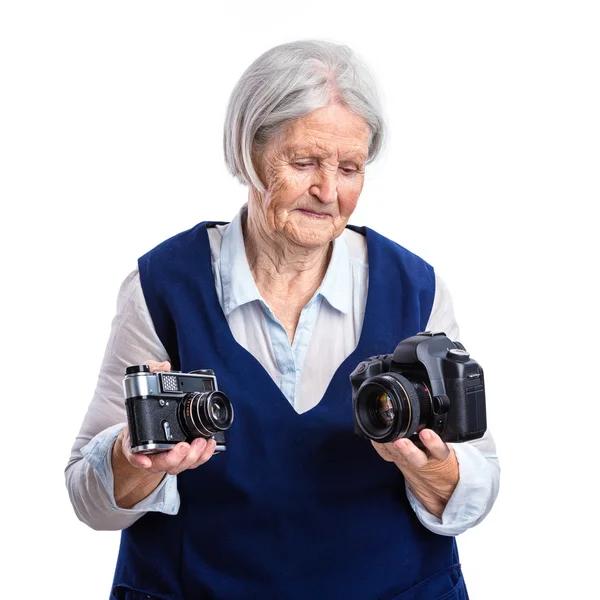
x: 434, y: 484
x: 130, y: 484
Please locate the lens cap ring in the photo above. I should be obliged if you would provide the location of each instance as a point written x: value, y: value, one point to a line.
x: 218, y: 410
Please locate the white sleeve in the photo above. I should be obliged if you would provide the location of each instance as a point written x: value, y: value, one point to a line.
x: 88, y: 475
x: 479, y: 469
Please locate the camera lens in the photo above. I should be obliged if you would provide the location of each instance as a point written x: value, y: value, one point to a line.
x: 206, y: 413
x: 390, y: 406
x: 216, y: 411
x: 383, y: 410
x: 221, y: 412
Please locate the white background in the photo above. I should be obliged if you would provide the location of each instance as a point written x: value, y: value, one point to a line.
x: 110, y: 142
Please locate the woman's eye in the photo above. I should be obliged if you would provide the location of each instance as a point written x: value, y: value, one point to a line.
x: 348, y: 170
x: 303, y: 165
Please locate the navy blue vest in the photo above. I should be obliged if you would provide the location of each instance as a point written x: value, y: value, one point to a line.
x: 298, y: 507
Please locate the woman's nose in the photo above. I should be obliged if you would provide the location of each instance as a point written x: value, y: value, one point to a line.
x: 325, y: 189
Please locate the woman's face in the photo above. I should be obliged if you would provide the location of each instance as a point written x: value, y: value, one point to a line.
x: 313, y: 173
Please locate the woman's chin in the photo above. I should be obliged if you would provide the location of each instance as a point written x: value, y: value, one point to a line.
x: 310, y: 237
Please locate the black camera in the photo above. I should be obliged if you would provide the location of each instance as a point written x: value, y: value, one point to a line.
x: 428, y: 382
x: 166, y: 408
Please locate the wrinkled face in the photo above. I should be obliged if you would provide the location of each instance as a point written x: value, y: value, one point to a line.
x: 313, y: 173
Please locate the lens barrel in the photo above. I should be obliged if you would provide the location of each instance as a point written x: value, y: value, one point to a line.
x: 390, y: 406
x: 206, y: 413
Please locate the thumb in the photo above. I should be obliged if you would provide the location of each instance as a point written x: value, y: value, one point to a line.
x: 158, y: 366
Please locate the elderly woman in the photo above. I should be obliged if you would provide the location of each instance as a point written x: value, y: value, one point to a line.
x: 282, y: 303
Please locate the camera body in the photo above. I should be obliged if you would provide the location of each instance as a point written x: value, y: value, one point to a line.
x: 166, y: 408
x: 428, y: 382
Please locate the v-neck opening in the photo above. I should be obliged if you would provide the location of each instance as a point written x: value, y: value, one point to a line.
x: 244, y: 353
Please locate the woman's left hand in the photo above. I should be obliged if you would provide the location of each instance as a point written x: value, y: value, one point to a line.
x: 431, y: 475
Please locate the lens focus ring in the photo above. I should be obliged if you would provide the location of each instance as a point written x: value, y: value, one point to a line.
x: 387, y: 407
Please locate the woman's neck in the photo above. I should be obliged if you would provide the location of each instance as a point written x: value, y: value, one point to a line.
x: 282, y: 270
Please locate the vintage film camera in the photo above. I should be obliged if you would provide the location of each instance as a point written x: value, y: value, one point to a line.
x: 428, y: 382
x: 164, y: 409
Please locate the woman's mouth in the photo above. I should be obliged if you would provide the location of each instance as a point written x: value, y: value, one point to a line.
x: 314, y: 215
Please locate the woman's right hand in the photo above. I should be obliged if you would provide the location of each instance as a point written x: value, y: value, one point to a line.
x: 136, y: 476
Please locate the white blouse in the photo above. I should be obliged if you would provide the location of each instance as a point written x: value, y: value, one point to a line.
x: 327, y: 333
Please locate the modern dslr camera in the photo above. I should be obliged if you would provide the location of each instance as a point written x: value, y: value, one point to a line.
x: 428, y: 382
x: 166, y: 408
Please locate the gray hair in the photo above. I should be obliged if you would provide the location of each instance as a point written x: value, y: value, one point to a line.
x: 288, y: 82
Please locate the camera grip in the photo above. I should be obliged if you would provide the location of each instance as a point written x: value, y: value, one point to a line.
x: 467, y: 417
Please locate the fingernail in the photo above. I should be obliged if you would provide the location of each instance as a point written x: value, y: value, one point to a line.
x: 401, y: 443
x: 426, y: 434
x: 183, y: 449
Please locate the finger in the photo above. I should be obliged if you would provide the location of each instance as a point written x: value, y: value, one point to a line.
x: 383, y: 451
x: 434, y: 443
x: 191, y: 461
x: 207, y: 453
x: 155, y: 366
x: 140, y: 461
x: 201, y: 450
x: 168, y: 462
x: 408, y: 454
